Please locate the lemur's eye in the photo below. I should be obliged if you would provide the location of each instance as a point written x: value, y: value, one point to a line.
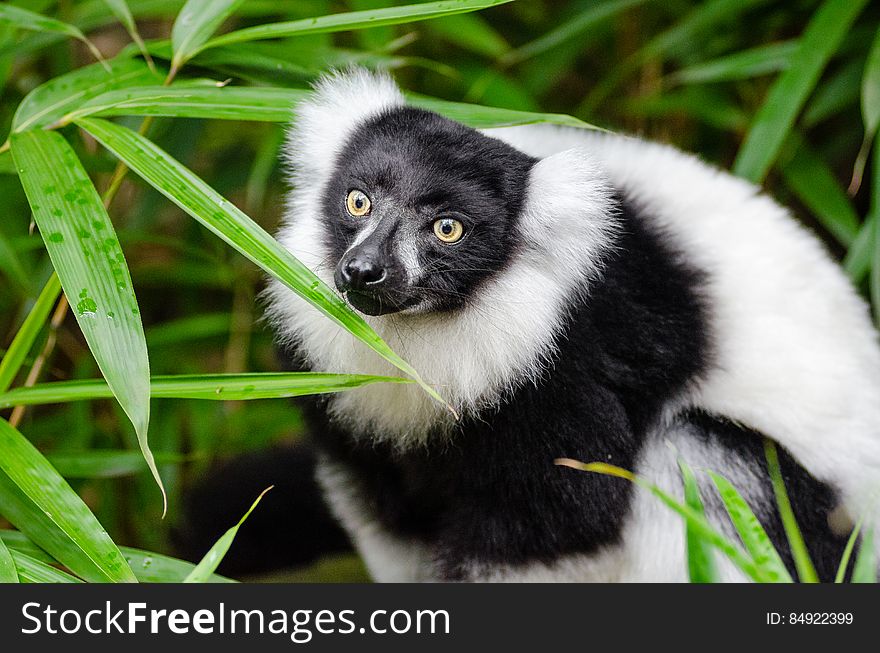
x: 357, y: 203
x: 448, y: 230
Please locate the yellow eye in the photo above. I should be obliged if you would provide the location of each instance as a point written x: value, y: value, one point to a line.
x: 357, y: 203
x: 448, y: 230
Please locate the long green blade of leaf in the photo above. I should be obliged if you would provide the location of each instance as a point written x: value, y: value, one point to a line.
x: 147, y: 566
x: 858, y: 258
x: 787, y: 96
x: 27, y: 334
x: 761, y: 60
x: 86, y: 254
x: 195, y: 24
x: 699, y: 523
x: 847, y: 553
x: 213, y: 387
x: 40, y: 503
x: 224, y: 219
x: 32, y: 570
x: 865, y: 567
x: 25, y: 19
x: 353, y: 20
x: 277, y: 105
x: 810, y: 178
x: 49, y: 102
x: 752, y: 534
x: 8, y: 574
x: 701, y: 563
x: 214, y: 557
x: 870, y: 103
x: 121, y: 10
x: 106, y: 463
x: 803, y: 564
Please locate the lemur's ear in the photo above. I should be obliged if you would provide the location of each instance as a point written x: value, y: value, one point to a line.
x: 570, y: 213
x: 341, y: 102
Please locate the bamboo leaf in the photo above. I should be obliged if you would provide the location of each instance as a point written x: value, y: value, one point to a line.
x: 29, y: 20
x: 701, y: 564
x: 195, y: 24
x: 278, y: 105
x: 870, y: 96
x: 865, y: 567
x: 212, y: 387
x: 810, y: 178
x: 776, y: 117
x: 27, y: 334
x: 214, y: 557
x: 8, y: 574
x: 752, y: 534
x: 49, y: 102
x: 156, y: 568
x: 847, y: 553
x: 700, y: 525
x: 40, y: 503
x: 352, y: 21
x: 121, y: 10
x: 32, y: 570
x: 86, y: 254
x: 761, y: 60
x: 857, y: 262
x: 225, y: 220
x: 147, y: 566
x: 97, y: 463
x: 803, y: 564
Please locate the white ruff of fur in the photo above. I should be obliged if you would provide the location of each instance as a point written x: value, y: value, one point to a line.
x: 473, y: 356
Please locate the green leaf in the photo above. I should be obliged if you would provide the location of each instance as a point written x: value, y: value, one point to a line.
x: 213, y: 387
x: 123, y: 13
x: 699, y: 524
x: 147, y: 566
x: 874, y: 221
x: 802, y: 562
x: 226, y: 103
x: 752, y: 534
x: 857, y: 262
x: 156, y: 568
x: 32, y: 570
x: 471, y: 32
x: 570, y: 29
x: 8, y: 574
x: 195, y: 24
x: 701, y: 564
x: 278, y: 105
x: 225, y: 220
x: 89, y: 261
x: 24, y: 19
x: 809, y: 177
x: 10, y: 263
x: 214, y: 557
x: 97, y: 463
x: 352, y: 20
x: 847, y: 553
x: 49, y: 102
x: 865, y: 567
x: 483, y: 117
x: 870, y: 110
x: 776, y: 117
x: 761, y: 60
x: 27, y: 334
x: 871, y: 88
x: 40, y: 503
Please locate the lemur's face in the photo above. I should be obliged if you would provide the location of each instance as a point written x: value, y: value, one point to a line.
x: 420, y: 210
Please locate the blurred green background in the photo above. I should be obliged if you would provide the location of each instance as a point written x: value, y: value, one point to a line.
x: 694, y: 74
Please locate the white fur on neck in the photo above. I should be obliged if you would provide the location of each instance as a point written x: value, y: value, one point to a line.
x: 503, y: 338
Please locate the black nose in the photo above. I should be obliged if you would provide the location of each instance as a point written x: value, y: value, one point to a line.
x: 360, y: 272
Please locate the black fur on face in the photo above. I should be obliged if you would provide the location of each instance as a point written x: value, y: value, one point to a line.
x: 416, y: 168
